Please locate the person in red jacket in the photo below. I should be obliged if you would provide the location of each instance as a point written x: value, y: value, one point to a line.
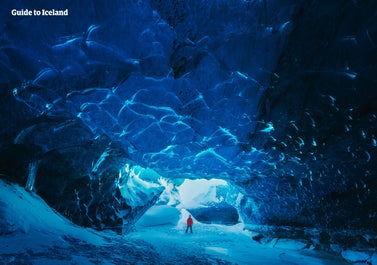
x: 189, y: 223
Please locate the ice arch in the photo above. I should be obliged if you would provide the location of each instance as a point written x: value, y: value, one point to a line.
x: 197, y: 192
x: 208, y: 201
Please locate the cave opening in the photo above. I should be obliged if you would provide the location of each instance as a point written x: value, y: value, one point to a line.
x: 211, y: 201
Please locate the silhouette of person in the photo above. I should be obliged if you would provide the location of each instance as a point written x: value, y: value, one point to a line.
x: 189, y: 224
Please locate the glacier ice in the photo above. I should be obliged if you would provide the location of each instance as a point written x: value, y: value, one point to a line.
x: 134, y: 189
x: 248, y: 95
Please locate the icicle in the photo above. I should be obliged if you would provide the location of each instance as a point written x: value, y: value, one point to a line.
x: 33, y: 168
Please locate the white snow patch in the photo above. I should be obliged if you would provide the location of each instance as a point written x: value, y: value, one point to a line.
x: 194, y: 193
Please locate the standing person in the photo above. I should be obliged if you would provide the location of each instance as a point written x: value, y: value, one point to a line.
x: 189, y: 223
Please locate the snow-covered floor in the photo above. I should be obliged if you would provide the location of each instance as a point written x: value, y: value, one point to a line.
x: 219, y: 244
x: 32, y: 233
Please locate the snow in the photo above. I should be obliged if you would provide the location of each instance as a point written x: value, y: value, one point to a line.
x: 27, y: 213
x: 32, y: 233
x: 219, y: 244
x: 194, y: 193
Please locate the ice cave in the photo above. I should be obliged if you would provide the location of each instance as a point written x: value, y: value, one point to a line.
x: 121, y: 118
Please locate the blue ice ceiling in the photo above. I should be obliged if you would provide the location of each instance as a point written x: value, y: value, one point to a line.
x: 276, y: 97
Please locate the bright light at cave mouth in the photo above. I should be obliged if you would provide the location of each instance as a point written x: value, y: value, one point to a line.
x: 193, y: 193
x: 137, y: 184
x: 208, y: 201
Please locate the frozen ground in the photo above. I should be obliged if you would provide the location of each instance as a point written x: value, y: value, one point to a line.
x: 219, y: 244
x: 32, y: 233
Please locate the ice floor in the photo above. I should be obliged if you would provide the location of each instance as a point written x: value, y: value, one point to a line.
x: 32, y: 233
x: 219, y: 244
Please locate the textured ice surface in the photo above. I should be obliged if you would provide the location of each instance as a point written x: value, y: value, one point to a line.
x: 276, y: 97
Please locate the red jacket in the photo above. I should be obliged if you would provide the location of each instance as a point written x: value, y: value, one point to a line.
x: 189, y: 221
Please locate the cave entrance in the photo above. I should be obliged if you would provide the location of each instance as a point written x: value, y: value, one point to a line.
x: 210, y: 201
x: 213, y: 201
